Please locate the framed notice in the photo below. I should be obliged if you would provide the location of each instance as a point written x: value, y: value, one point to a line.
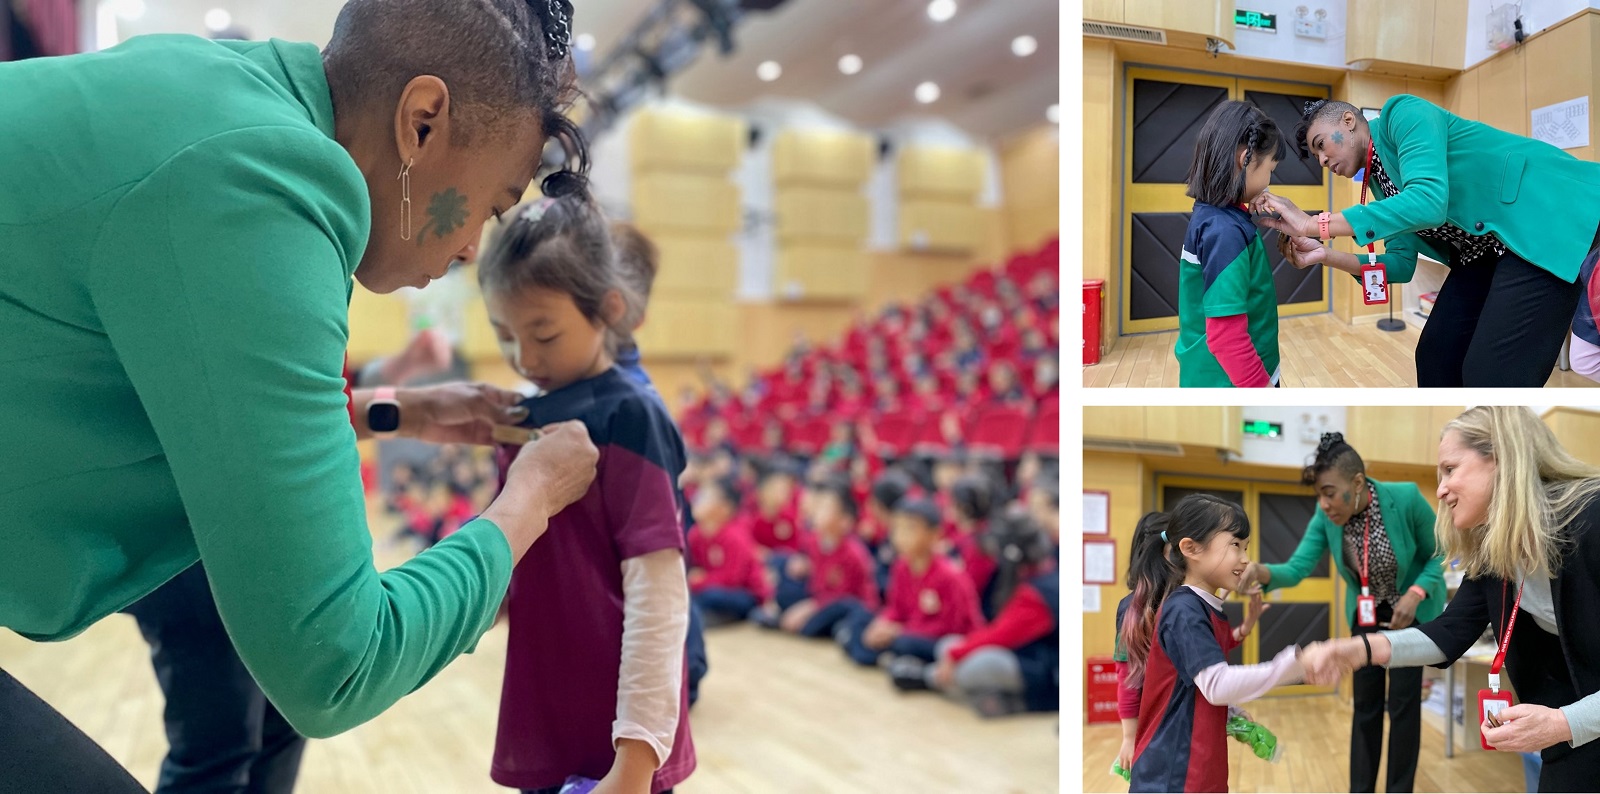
x: 1099, y: 561
x: 1096, y: 512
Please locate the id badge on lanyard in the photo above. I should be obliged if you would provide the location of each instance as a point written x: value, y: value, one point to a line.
x: 1492, y: 701
x: 1366, y: 605
x: 1374, y: 278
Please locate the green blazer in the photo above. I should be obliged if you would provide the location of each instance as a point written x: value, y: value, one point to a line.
x: 1409, y: 521
x: 1543, y: 203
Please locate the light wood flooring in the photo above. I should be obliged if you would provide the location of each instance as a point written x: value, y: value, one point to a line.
x: 1318, y: 351
x: 1315, y: 733
x: 776, y: 714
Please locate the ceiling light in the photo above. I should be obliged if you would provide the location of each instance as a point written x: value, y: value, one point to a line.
x: 1053, y: 113
x: 585, y: 41
x: 769, y: 71
x: 218, y: 20
x: 850, y: 64
x: 941, y: 10
x: 1023, y: 46
x: 129, y: 9
x: 928, y: 93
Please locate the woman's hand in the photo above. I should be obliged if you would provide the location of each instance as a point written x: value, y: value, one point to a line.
x: 1405, y: 611
x: 1526, y: 728
x: 1250, y: 582
x: 1302, y: 252
x: 1125, y: 754
x: 457, y: 413
x: 547, y: 475
x: 1291, y: 220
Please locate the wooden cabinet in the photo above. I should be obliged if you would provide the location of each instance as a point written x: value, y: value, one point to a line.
x: 1187, y: 23
x: 1416, y: 38
x: 1203, y: 426
x: 1397, y: 434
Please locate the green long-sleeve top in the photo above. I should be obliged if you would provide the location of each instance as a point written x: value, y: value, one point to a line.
x: 178, y: 234
x: 1408, y: 519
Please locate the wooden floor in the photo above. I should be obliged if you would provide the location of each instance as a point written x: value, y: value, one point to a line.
x: 1315, y: 734
x: 1318, y: 351
x: 776, y: 714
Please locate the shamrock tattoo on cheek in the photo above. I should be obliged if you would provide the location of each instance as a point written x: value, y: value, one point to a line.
x: 447, y: 212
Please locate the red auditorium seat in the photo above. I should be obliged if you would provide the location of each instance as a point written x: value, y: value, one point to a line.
x: 999, y: 430
x: 983, y: 283
x: 1045, y: 436
x: 896, y: 433
x: 808, y: 435
x: 745, y: 432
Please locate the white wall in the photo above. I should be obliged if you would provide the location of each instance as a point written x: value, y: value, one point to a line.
x: 1302, y: 429
x: 1536, y: 16
x: 1285, y: 45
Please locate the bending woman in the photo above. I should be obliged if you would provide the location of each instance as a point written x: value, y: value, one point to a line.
x: 1522, y: 515
x: 1512, y: 217
x: 174, y: 299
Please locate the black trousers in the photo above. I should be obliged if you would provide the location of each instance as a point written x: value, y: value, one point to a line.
x: 223, y: 735
x: 1496, y: 323
x: 1404, y: 705
x: 42, y: 753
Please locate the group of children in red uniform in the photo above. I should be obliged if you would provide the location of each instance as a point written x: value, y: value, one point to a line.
x: 917, y: 581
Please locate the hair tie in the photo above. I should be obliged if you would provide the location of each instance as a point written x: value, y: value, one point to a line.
x: 537, y: 209
x: 1163, y: 536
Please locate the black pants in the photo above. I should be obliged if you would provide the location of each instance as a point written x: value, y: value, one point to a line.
x: 694, y: 647
x: 42, y: 753
x: 1496, y: 323
x: 222, y: 733
x: 1404, y: 703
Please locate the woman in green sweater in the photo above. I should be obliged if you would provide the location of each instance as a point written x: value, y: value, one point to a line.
x: 1383, y: 534
x: 1514, y: 218
x: 180, y: 223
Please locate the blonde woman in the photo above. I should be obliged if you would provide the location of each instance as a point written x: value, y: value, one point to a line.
x: 1521, y: 514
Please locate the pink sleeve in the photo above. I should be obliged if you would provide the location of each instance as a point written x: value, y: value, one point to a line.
x: 1229, y: 340
x: 1127, y: 697
x: 1224, y: 684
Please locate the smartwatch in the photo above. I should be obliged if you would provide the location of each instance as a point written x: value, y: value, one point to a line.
x: 383, y: 413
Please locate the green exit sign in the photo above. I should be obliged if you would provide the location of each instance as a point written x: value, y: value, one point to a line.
x: 1255, y: 20
x: 1263, y: 429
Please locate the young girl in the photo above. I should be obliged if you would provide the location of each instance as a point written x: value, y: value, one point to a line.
x: 1183, y: 667
x: 1227, y: 302
x: 598, y: 609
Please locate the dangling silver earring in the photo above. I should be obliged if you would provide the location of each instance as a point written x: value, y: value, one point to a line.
x: 405, y: 201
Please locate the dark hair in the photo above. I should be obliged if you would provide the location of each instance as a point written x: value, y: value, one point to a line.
x: 560, y: 244
x: 838, y: 488
x: 499, y: 58
x: 1049, y: 482
x: 1017, y: 544
x: 637, y: 263
x: 778, y: 466
x: 1321, y: 110
x: 1335, y: 454
x: 1150, y: 578
x: 727, y: 488
x: 974, y: 496
x: 923, y: 509
x: 891, y: 488
x: 1215, y: 176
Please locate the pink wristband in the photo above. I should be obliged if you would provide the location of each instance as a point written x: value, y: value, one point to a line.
x: 1421, y: 593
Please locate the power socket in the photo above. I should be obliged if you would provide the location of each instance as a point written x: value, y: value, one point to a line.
x: 1311, y: 28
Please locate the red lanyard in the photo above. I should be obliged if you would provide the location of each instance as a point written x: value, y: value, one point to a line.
x: 1500, y: 658
x: 1366, y: 179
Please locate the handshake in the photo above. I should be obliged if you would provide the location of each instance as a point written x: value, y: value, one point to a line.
x: 1325, y: 663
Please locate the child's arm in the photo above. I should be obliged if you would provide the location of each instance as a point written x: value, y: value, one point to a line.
x: 1226, y: 684
x: 1252, y: 613
x: 1228, y: 338
x: 655, y: 621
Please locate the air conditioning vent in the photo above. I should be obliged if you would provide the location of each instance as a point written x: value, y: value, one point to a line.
x: 1135, y: 447
x: 1106, y: 30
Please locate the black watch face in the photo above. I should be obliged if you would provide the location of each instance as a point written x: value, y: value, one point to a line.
x: 383, y: 417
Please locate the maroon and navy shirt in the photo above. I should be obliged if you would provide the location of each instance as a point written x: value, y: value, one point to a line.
x: 564, y: 653
x: 1181, y: 741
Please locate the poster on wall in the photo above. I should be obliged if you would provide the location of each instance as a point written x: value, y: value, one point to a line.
x: 1099, y: 561
x: 1096, y: 512
x: 1564, y: 125
x: 1091, y: 598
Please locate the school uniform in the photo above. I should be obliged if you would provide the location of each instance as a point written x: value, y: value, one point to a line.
x: 1224, y: 272
x: 1181, y: 741
x: 564, y: 650
x: 780, y: 532
x: 735, y: 581
x: 929, y: 605
x: 843, y: 578
x: 1029, y: 629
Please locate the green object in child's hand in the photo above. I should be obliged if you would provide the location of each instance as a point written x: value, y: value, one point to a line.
x: 1261, y: 741
x: 1116, y: 769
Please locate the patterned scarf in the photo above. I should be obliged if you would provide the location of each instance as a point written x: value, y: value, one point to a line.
x: 1383, y: 570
